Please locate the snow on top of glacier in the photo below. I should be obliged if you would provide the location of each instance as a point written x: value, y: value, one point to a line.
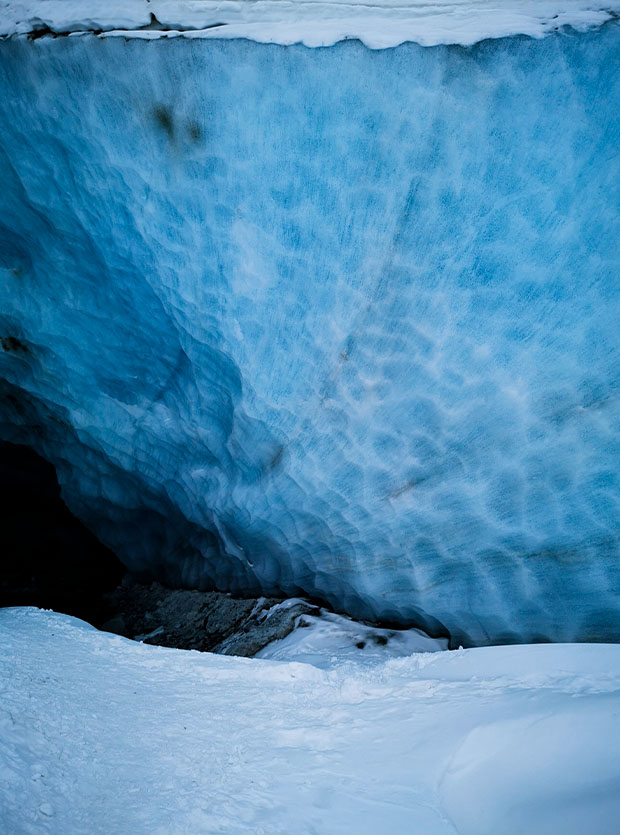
x: 379, y: 24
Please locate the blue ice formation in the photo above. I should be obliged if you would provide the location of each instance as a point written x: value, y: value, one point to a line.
x: 337, y: 322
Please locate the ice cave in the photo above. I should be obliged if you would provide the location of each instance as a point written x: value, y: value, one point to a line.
x: 339, y: 322
x: 309, y: 353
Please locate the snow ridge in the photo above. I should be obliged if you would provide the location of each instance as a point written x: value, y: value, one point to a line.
x: 378, y: 24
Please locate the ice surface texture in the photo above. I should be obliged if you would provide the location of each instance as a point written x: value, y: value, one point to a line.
x: 332, y: 322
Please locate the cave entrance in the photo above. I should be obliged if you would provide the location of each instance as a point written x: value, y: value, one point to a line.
x: 48, y: 558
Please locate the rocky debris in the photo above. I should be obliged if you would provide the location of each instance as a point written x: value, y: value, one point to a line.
x: 206, y: 621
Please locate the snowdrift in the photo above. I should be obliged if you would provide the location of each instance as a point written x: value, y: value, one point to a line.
x: 99, y: 734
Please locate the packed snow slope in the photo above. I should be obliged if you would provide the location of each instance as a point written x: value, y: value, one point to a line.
x: 99, y: 734
x: 378, y: 24
x: 339, y: 322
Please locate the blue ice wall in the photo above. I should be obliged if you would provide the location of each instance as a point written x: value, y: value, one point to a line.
x: 331, y: 321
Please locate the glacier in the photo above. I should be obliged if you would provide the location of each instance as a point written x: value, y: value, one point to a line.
x: 330, y: 322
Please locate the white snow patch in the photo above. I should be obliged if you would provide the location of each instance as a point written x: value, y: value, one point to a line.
x: 99, y: 734
x: 329, y: 640
x: 379, y: 24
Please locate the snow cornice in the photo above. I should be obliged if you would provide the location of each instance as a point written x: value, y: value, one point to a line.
x: 379, y: 24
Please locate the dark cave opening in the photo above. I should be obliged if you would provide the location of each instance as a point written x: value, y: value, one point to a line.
x: 49, y: 558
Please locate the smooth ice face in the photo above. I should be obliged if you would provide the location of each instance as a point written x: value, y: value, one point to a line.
x: 334, y: 322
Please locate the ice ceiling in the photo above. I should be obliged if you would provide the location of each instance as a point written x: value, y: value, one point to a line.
x: 337, y: 322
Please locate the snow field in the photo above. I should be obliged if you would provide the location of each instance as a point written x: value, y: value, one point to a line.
x: 99, y: 734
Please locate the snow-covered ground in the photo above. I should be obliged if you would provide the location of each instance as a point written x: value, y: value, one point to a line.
x: 379, y: 23
x: 328, y: 640
x: 99, y: 734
